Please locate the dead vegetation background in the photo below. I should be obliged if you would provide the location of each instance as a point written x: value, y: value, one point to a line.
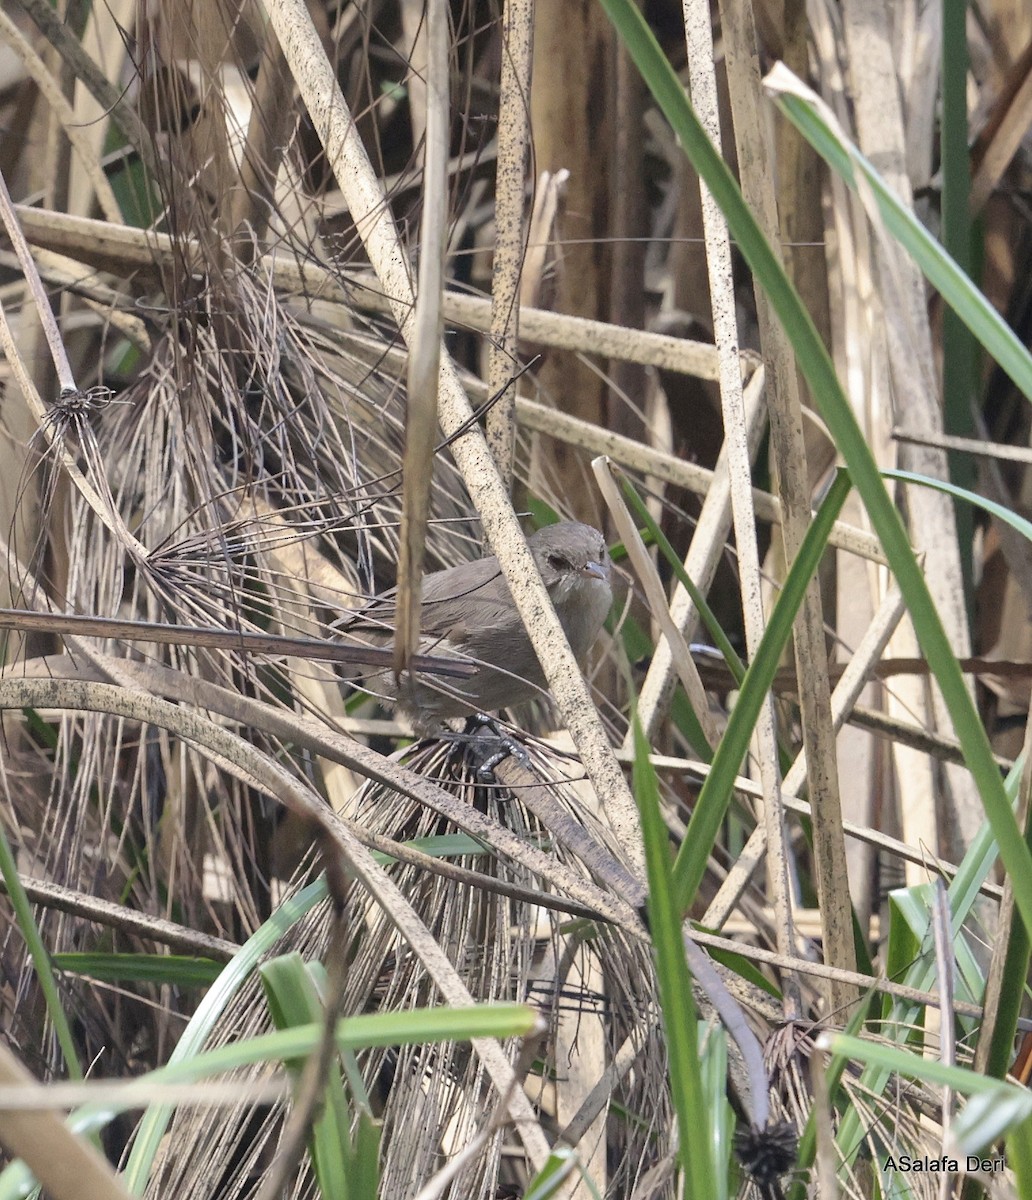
x: 213, y: 247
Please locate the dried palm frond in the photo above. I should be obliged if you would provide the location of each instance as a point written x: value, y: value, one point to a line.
x: 593, y: 984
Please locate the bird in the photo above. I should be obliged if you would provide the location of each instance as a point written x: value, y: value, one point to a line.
x: 467, y: 612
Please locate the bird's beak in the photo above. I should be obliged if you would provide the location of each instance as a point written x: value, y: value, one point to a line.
x: 596, y: 570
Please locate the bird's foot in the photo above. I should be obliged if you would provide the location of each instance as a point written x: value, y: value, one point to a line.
x: 489, y: 743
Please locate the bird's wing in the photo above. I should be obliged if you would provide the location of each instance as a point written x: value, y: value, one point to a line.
x: 460, y: 603
x: 457, y: 596
x: 483, y: 574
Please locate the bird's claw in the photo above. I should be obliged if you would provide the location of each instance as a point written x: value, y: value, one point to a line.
x: 490, y: 744
x: 506, y: 746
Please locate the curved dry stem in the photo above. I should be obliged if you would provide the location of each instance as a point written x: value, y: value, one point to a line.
x: 313, y: 735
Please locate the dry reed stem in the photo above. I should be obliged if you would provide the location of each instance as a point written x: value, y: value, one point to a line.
x: 699, y: 41
x: 123, y: 249
x: 68, y: 1167
x: 118, y: 916
x: 704, y: 554
x: 43, y: 77
x: 140, y: 1093
x: 510, y: 226
x: 424, y: 336
x: 793, y: 479
x: 655, y: 596
x: 911, y: 365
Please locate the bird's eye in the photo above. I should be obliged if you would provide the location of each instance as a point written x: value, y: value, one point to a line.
x: 557, y: 562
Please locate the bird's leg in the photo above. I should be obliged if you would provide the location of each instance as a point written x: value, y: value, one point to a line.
x: 489, y: 744
x: 484, y: 731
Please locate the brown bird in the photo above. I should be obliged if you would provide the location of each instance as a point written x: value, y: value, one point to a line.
x: 468, y: 612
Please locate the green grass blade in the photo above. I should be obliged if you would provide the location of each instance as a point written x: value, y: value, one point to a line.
x: 706, y: 614
x: 378, y: 1029
x: 719, y: 784
x: 155, y: 1120
x: 294, y: 1001
x: 695, y: 1145
x: 955, y: 287
x: 176, y: 970
x: 41, y: 961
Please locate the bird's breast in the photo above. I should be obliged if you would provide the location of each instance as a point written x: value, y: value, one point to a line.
x: 583, y: 611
